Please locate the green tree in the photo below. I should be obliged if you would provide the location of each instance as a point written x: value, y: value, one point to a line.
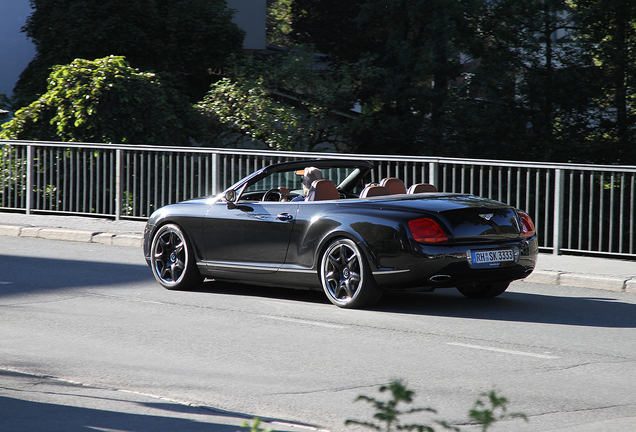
x: 419, y: 48
x: 415, y: 47
x: 528, y: 94
x: 609, y: 26
x: 290, y: 101
x: 279, y: 22
x: 108, y: 101
x: 331, y: 26
x: 185, y: 38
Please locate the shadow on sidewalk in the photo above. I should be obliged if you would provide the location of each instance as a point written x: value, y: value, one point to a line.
x: 29, y: 403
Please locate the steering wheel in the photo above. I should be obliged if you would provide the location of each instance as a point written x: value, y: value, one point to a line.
x: 267, y: 196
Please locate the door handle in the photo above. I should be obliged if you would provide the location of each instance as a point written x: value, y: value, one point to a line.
x: 285, y: 217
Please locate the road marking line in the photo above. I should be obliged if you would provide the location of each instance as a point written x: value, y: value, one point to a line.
x: 301, y: 321
x: 505, y: 351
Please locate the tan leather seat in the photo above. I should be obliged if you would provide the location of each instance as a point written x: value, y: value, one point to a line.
x: 322, y: 190
x: 394, y: 185
x: 421, y: 188
x: 374, y: 190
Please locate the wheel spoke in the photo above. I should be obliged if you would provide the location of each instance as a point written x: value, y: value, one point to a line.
x: 164, y: 271
x: 331, y: 277
x: 333, y: 262
x: 176, y: 243
x: 175, y: 271
x: 346, y: 287
x: 340, y: 292
x: 355, y: 277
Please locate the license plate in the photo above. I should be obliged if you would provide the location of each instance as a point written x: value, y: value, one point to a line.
x: 496, y: 256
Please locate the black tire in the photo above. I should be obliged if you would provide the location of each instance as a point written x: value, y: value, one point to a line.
x: 485, y: 291
x: 172, y: 260
x: 345, y: 276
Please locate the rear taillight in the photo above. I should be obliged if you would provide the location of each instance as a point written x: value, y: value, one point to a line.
x: 427, y: 231
x: 528, y: 226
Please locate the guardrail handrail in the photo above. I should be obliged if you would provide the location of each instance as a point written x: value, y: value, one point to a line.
x: 578, y: 208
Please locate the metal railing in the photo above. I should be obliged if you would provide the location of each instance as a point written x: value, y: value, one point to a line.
x: 587, y: 209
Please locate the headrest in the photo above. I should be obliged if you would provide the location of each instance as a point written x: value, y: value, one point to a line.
x: 394, y: 185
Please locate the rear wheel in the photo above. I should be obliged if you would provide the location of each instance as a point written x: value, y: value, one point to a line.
x: 345, y: 276
x: 172, y: 260
x: 485, y: 291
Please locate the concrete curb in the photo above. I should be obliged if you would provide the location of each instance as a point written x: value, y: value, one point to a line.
x: 607, y: 283
x: 62, y: 234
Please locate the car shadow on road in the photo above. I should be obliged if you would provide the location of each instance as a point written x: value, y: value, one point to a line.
x: 603, y: 310
x: 235, y: 288
x: 22, y: 275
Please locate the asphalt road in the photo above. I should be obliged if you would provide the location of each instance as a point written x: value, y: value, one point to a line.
x: 93, y: 315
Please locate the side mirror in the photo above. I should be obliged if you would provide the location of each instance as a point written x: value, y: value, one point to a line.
x: 230, y: 197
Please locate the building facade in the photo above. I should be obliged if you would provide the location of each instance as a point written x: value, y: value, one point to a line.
x: 16, y: 51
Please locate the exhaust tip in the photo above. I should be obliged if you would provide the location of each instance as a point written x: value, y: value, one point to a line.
x: 439, y: 278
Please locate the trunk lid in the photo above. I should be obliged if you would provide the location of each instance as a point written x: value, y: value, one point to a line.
x: 470, y: 218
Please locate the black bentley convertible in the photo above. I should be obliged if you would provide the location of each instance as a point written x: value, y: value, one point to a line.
x: 347, y: 237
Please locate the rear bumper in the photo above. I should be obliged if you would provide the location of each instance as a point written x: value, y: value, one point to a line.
x: 448, y: 266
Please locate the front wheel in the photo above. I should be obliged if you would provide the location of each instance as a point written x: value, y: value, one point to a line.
x: 345, y: 276
x: 172, y: 260
x: 485, y: 291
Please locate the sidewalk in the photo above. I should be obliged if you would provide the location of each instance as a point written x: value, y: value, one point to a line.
x: 600, y: 273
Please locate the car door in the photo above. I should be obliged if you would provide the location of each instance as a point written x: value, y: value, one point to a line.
x: 249, y: 237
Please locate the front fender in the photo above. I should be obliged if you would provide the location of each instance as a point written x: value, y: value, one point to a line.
x: 188, y: 215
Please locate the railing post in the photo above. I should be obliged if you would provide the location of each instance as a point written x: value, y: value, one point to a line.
x: 433, y: 167
x: 557, y: 224
x: 216, y: 173
x: 29, y: 179
x: 118, y: 184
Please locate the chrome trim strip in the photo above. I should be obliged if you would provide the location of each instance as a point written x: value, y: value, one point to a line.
x: 386, y: 272
x: 235, y: 266
x: 274, y: 267
x: 296, y: 270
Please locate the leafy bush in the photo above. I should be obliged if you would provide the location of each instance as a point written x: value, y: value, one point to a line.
x: 104, y: 100
x: 388, y: 413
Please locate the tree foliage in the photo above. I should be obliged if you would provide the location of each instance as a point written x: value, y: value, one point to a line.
x: 331, y: 27
x: 184, y: 38
x: 104, y: 100
x: 414, y: 45
x: 533, y: 85
x: 546, y: 80
x: 609, y: 28
x: 290, y: 101
x: 279, y: 22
